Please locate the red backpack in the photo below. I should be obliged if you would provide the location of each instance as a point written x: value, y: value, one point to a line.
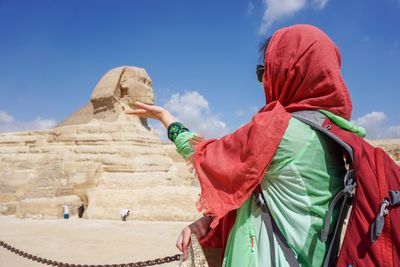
x: 367, y: 232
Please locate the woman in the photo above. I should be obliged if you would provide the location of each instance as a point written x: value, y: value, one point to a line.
x: 297, y: 169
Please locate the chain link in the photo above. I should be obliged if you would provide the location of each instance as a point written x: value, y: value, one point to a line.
x: 31, y: 257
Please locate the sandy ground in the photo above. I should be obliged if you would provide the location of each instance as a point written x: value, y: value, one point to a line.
x: 82, y: 241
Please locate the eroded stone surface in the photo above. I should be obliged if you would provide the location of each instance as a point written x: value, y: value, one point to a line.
x: 100, y: 157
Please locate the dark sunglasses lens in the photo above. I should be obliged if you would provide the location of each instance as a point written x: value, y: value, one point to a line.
x: 260, y: 72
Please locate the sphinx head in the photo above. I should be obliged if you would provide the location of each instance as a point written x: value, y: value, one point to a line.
x: 117, y: 90
x: 135, y: 85
x: 120, y: 88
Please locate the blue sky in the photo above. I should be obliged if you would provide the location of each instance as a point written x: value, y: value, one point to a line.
x: 201, y: 56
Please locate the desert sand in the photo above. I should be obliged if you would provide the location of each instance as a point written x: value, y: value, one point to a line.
x: 81, y: 241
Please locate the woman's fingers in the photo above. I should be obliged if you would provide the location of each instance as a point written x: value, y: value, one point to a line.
x: 144, y: 106
x: 183, y: 238
x: 190, y: 167
x: 136, y: 111
x: 152, y: 112
x: 183, y: 241
x: 179, y: 243
x: 141, y: 113
x: 186, y: 241
x: 199, y: 227
x: 149, y: 111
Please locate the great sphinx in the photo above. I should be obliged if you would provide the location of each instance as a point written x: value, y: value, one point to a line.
x: 117, y: 90
x: 99, y: 157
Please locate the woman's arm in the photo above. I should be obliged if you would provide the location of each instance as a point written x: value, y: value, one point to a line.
x: 177, y: 133
x: 153, y: 112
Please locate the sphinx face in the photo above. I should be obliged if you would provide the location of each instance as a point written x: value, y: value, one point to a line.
x: 135, y: 85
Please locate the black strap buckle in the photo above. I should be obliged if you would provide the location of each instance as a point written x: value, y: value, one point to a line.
x: 394, y: 197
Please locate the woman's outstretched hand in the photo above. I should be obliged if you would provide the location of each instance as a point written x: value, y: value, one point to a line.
x: 199, y: 227
x: 152, y: 112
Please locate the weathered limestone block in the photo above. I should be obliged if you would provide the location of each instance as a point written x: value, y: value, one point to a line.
x: 47, y: 208
x: 179, y: 170
x: 171, y: 150
x: 156, y: 203
x: 181, y: 175
x: 133, y: 181
x: 8, y: 208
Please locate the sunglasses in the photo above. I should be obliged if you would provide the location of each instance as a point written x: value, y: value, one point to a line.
x: 260, y: 72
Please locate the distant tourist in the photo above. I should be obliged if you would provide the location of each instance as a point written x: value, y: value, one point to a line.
x: 81, y: 209
x: 124, y: 214
x: 66, y: 212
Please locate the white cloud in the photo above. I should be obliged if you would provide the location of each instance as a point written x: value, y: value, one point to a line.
x: 250, y: 8
x: 320, y: 4
x: 374, y: 119
x: 394, y: 131
x: 40, y: 124
x: 278, y: 9
x: 5, y: 118
x: 193, y: 111
x: 9, y: 124
x: 374, y: 125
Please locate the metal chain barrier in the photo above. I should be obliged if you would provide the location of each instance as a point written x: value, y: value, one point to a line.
x: 28, y: 256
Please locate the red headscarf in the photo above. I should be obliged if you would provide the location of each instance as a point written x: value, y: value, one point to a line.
x: 302, y: 72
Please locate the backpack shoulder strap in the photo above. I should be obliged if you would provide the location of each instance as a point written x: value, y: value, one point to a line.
x: 318, y: 121
x: 273, y: 231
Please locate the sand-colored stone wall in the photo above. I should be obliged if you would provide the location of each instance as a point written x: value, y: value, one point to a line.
x: 109, y: 166
x: 104, y: 159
